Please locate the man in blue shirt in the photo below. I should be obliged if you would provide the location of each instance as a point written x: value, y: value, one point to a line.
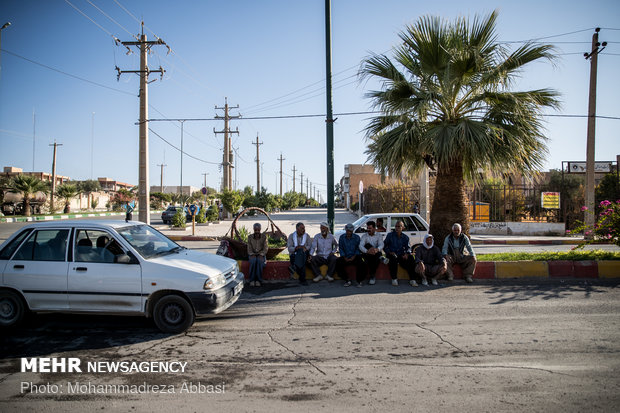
x: 396, y: 248
x: 457, y: 250
x: 350, y: 254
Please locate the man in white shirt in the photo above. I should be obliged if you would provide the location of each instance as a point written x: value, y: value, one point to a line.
x: 299, y: 244
x: 325, y: 246
x: 371, y: 246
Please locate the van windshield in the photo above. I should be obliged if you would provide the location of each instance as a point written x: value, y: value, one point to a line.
x: 148, y: 241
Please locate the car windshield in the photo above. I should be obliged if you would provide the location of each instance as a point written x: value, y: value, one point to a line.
x: 359, y: 222
x: 148, y: 241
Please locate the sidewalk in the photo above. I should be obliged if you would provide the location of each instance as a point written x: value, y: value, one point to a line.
x: 59, y: 216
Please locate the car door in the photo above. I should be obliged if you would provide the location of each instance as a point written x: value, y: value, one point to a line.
x: 96, y: 282
x: 39, y: 269
x: 415, y: 233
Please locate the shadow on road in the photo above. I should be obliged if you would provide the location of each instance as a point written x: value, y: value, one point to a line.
x: 515, y: 291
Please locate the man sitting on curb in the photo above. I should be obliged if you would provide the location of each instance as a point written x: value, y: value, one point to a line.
x: 454, y: 252
x: 371, y: 246
x: 325, y: 246
x: 429, y: 261
x: 299, y: 244
x: 349, y: 245
x: 257, y: 251
x: 396, y: 247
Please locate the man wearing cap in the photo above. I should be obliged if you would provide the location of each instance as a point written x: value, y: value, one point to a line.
x: 299, y: 244
x: 325, y: 246
x: 350, y: 254
x: 257, y: 251
x: 396, y: 247
x: 371, y: 245
x: 454, y: 248
x: 429, y: 261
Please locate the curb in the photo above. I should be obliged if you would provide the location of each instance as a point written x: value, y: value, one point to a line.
x: 533, y: 242
x: 485, y: 270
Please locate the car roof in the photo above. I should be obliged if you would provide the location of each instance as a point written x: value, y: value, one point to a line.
x: 81, y: 223
x: 391, y: 214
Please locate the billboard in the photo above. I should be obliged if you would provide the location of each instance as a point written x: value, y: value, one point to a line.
x: 550, y: 200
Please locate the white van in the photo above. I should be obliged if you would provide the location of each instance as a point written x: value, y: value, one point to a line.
x: 114, y: 267
x: 415, y: 226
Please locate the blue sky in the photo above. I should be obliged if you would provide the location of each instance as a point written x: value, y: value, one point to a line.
x: 268, y: 58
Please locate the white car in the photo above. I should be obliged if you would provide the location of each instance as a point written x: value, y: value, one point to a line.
x: 415, y: 226
x: 89, y: 266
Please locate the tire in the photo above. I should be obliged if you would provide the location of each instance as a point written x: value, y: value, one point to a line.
x: 173, y: 314
x: 12, y: 309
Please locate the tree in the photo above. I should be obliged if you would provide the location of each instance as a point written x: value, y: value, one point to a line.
x: 88, y: 187
x: 232, y: 200
x: 446, y: 102
x: 67, y: 192
x: 608, y: 188
x: 27, y: 186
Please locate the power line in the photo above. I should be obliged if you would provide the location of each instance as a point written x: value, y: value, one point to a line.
x: 111, y: 19
x: 178, y: 149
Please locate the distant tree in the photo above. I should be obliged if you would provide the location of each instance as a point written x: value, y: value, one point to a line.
x: 67, y: 192
x: 232, y: 200
x: 27, y: 186
x: 608, y: 189
x: 290, y: 200
x: 158, y: 199
x: 88, y: 187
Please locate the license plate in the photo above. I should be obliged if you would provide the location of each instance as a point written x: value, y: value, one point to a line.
x: 238, y: 288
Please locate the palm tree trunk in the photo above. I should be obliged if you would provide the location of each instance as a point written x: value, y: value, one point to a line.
x: 449, y: 202
x: 26, y: 205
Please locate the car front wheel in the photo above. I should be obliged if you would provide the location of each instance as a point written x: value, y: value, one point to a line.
x: 12, y: 309
x: 173, y: 314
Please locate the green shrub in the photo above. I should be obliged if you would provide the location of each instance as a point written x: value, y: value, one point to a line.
x: 200, y: 217
x: 178, y: 220
x: 212, y: 213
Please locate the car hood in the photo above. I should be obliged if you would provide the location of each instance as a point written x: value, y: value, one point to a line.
x: 196, y: 261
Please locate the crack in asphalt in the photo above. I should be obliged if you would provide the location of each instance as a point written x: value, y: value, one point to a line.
x: 439, y: 335
x: 289, y: 323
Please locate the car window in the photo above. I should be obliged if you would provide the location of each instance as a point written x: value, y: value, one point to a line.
x: 418, y: 223
x: 10, y: 248
x: 44, y: 245
x: 96, y: 246
x: 148, y: 241
x: 409, y: 224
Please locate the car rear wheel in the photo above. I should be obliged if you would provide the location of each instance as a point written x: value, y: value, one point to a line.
x: 173, y: 314
x: 12, y: 309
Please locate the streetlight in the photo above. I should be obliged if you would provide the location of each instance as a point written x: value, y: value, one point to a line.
x: 4, y: 26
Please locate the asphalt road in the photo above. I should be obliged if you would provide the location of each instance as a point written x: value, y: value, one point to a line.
x: 492, y: 347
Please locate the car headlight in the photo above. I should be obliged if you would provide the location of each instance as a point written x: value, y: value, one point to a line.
x: 215, y: 282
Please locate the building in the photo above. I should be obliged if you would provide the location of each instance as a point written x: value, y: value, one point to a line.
x: 174, y: 189
x: 11, y: 171
x: 110, y: 185
x: 350, y: 182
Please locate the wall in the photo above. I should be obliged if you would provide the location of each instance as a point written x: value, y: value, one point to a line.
x: 517, y: 228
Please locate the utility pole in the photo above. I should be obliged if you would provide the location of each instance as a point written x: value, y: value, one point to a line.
x: 257, y: 163
x: 143, y: 169
x: 206, y: 189
x: 294, y: 170
x: 227, y: 158
x: 181, y: 182
x: 307, y: 187
x: 161, y: 178
x: 55, y: 145
x: 92, y: 145
x: 301, y: 185
x: 590, y: 158
x: 34, y: 134
x: 281, y: 159
x: 329, y: 121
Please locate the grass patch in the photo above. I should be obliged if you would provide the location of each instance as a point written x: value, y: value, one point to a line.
x: 575, y: 255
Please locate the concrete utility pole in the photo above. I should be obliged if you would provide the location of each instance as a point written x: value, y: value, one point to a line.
x: 55, y: 145
x: 206, y: 189
x: 294, y: 170
x: 258, y: 144
x: 281, y: 159
x: 181, y: 182
x: 143, y: 168
x: 161, y: 178
x: 301, y: 184
x: 307, y: 188
x: 227, y: 158
x: 590, y: 158
x: 329, y: 121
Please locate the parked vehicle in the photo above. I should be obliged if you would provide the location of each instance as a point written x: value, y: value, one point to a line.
x: 89, y: 266
x: 171, y: 211
x: 415, y: 226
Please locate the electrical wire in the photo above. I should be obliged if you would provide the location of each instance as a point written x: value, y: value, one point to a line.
x: 184, y: 153
x: 111, y: 19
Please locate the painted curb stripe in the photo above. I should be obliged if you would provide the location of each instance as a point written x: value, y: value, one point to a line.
x: 609, y: 269
x: 512, y: 269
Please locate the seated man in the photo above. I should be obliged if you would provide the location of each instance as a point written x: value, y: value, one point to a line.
x: 299, y: 244
x: 396, y: 247
x: 257, y: 251
x: 349, y: 246
x: 380, y: 227
x: 454, y: 252
x: 325, y: 246
x: 429, y: 261
x: 371, y: 246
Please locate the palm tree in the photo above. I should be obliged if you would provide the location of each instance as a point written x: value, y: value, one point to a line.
x: 27, y: 186
x: 67, y: 192
x: 452, y: 109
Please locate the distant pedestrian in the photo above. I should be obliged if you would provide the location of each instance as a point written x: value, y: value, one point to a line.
x: 129, y: 206
x: 299, y: 244
x: 429, y: 261
x: 325, y: 246
x: 454, y: 247
x: 257, y: 253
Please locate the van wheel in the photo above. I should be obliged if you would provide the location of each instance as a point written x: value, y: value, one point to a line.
x: 12, y: 309
x: 173, y: 314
